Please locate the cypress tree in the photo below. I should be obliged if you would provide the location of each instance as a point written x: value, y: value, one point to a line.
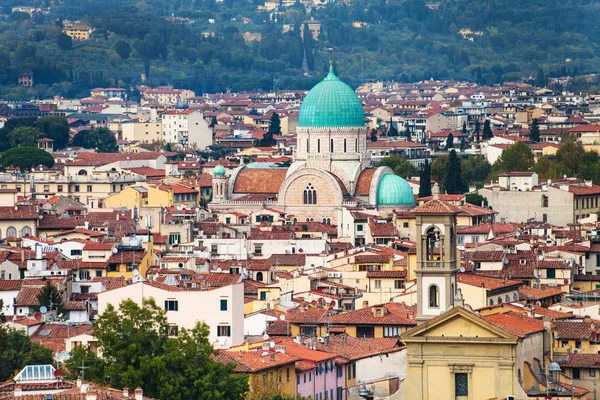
x: 453, y: 183
x: 425, y: 180
x: 534, y: 130
x: 450, y: 141
x: 487, y: 130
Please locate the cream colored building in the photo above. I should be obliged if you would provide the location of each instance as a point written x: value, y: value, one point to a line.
x: 140, y: 196
x: 187, y: 128
x: 145, y: 132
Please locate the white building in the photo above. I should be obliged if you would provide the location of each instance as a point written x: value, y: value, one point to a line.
x: 222, y: 308
x: 186, y: 127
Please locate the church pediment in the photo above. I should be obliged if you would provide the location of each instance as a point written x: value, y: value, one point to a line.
x: 456, y: 323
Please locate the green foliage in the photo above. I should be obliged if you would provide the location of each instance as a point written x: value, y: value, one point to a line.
x: 570, y: 153
x: 373, y: 135
x: 50, y: 297
x: 82, y: 356
x: 475, y: 170
x: 439, y: 168
x: 123, y: 49
x: 476, y: 199
x: 534, y: 130
x: 425, y: 180
x: 392, y: 130
x: 540, y: 80
x: 487, y: 130
x: 17, y: 351
x: 453, y: 183
x: 55, y: 128
x: 138, y: 352
x: 464, y: 128
x: 400, y: 165
x: 98, y: 138
x: 274, y: 125
x: 449, y: 141
x: 24, y: 136
x: 517, y: 157
x: 64, y: 42
x: 25, y: 158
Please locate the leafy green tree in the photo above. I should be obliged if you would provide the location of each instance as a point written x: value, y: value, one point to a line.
x: 123, y: 49
x: 439, y: 166
x: 517, y: 157
x: 534, y: 131
x: 425, y: 180
x: 150, y: 48
x: 50, y: 298
x: 400, y: 165
x: 139, y: 352
x: 373, y: 135
x: 449, y: 141
x: 392, y: 130
x: 540, y: 80
x: 475, y: 170
x: 25, y: 158
x: 487, y: 130
x: 99, y: 138
x: 275, y: 124
x: 64, y: 41
x: 570, y: 154
x: 83, y: 356
x: 24, y: 136
x: 55, y: 128
x: 17, y: 351
x: 589, y: 166
x: 453, y: 184
x: 476, y: 199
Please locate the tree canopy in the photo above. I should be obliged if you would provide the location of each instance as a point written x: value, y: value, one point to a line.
x: 517, y: 157
x: 50, y: 298
x: 400, y: 165
x: 138, y: 351
x: 425, y: 180
x: 99, y: 138
x: 453, y: 183
x: 25, y: 158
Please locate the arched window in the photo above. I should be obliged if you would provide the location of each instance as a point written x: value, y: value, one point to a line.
x: 433, y: 243
x: 507, y: 299
x: 26, y: 231
x: 345, y: 146
x: 515, y: 297
x: 491, y: 302
x: 544, y: 201
x: 434, y: 294
x: 259, y: 276
x: 307, y: 146
x: 499, y: 300
x: 318, y: 145
x: 355, y: 144
x: 82, y: 172
x: 11, y: 232
x: 331, y: 145
x: 328, y: 221
x: 310, y: 195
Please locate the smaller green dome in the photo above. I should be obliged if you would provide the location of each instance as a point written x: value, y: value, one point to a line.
x: 219, y: 171
x: 394, y: 191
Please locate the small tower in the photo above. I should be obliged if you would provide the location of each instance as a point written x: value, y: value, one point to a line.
x: 219, y: 184
x: 437, y: 262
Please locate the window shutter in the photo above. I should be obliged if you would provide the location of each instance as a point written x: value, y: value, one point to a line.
x: 176, y: 305
x: 166, y: 305
x: 228, y: 331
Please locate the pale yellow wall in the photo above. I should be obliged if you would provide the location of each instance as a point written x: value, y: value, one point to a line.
x: 145, y: 132
x: 127, y: 198
x: 473, y: 295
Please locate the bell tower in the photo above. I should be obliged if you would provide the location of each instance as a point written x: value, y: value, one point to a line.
x: 437, y: 262
x: 219, y: 185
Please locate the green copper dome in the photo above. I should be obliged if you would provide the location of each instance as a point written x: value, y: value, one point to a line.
x: 331, y: 103
x: 394, y: 191
x: 219, y: 171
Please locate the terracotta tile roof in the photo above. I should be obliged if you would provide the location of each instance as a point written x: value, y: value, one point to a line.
x: 10, y: 284
x: 310, y: 316
x: 28, y: 295
x: 221, y: 279
x: 574, y: 329
x: 363, y: 185
x: 98, y: 246
x: 584, y: 190
x: 127, y: 257
x: 258, y: 234
x: 54, y: 335
x: 480, y: 229
x: 436, y: 207
x: 529, y: 293
x: 372, y: 258
x: 303, y: 352
x: 297, y: 260
x: 279, y: 328
x: 581, y: 360
x: 386, y: 274
x: 392, y: 314
x: 485, y: 256
x: 515, y: 323
x: 486, y: 282
x: 254, y: 361
x: 358, y: 348
x: 74, y: 305
x: 259, y: 180
x: 386, y: 229
x: 589, y: 278
x: 174, y: 259
x: 19, y: 213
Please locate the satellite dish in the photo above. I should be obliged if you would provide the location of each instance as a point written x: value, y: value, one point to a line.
x: 282, y: 317
x: 43, y: 309
x: 115, y: 250
x: 136, y: 272
x: 266, y: 337
x: 462, y: 269
x: 271, y: 344
x: 538, y: 303
x: 540, y: 257
x: 506, y: 262
x: 37, y: 315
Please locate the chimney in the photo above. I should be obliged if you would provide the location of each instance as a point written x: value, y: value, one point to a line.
x: 38, y: 252
x: 126, y: 392
x: 79, y: 382
x: 139, y: 393
x: 86, y: 224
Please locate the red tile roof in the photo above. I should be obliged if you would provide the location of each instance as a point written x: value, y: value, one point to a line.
x: 581, y: 360
x: 515, y: 323
x: 259, y: 180
x: 254, y: 361
x: 487, y: 282
x: 391, y: 314
x: 529, y: 293
x: 575, y: 329
x: 358, y: 348
x: 387, y: 274
x: 19, y: 213
x: 436, y: 207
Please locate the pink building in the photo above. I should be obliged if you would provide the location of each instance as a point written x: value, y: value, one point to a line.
x: 319, y: 375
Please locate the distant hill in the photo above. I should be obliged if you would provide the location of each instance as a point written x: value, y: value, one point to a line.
x: 201, y: 44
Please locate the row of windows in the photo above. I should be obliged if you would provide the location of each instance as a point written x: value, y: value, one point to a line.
x: 173, y: 305
x: 586, y: 202
x: 11, y: 231
x: 515, y: 297
x: 331, y: 145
